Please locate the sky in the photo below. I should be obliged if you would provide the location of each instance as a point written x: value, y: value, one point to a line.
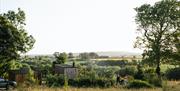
x: 79, y: 25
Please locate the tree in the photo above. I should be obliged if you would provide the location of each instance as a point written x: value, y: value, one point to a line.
x: 84, y: 56
x: 177, y: 46
x: 157, y: 25
x: 87, y: 56
x: 70, y: 55
x: 14, y: 40
x: 60, y: 57
x: 176, y: 54
x: 93, y: 55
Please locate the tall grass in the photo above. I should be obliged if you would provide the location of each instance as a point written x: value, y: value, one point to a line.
x: 168, y: 86
x: 84, y: 89
x: 171, y: 86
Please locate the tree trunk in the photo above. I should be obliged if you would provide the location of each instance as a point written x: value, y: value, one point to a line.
x: 158, y: 69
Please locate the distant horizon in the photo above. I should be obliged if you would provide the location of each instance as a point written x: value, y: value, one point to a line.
x: 138, y: 53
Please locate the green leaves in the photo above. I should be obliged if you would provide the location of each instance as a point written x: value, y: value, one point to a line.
x: 14, y: 40
x: 60, y: 57
x: 157, y: 25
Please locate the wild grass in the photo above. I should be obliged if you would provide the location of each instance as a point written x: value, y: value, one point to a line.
x: 171, y: 86
x: 167, y: 86
x: 85, y: 89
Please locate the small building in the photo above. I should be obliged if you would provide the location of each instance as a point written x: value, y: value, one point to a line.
x: 18, y: 75
x: 68, y: 70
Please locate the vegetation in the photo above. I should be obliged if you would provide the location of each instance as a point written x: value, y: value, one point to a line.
x: 139, y: 84
x: 14, y: 40
x: 85, y: 89
x: 173, y: 74
x: 159, y: 28
x: 158, y: 24
x: 60, y: 57
x: 87, y: 56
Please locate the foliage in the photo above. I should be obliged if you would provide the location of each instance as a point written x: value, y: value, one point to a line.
x: 60, y: 57
x: 93, y: 55
x: 174, y: 58
x: 70, y: 55
x: 173, y: 74
x: 84, y: 56
x: 107, y: 72
x: 129, y: 70
x: 153, y: 79
x: 14, y: 40
x: 121, y: 63
x: 97, y: 71
x: 41, y: 63
x: 176, y: 41
x: 55, y: 80
x: 149, y: 70
x: 88, y: 77
x: 87, y: 56
x: 139, y: 84
x: 140, y: 74
x: 30, y: 76
x: 157, y: 26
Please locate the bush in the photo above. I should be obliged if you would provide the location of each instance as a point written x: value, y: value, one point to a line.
x: 150, y: 70
x: 153, y: 79
x: 56, y: 81
x: 140, y: 74
x: 111, y: 63
x: 128, y: 71
x: 106, y: 72
x: 86, y: 82
x: 139, y: 84
x: 173, y: 74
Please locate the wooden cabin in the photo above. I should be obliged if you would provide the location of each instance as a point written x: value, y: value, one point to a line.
x: 18, y: 75
x: 68, y: 70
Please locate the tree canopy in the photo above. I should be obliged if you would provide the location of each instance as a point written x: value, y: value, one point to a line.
x: 60, y: 57
x: 14, y: 40
x: 158, y: 25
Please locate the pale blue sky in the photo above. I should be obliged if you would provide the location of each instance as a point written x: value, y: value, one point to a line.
x: 79, y: 25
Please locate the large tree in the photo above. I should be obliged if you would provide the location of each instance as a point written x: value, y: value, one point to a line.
x: 14, y: 40
x: 157, y: 24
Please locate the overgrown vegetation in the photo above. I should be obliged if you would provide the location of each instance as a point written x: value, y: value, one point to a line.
x: 159, y: 25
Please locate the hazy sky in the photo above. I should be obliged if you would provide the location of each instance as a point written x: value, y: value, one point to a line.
x: 79, y: 25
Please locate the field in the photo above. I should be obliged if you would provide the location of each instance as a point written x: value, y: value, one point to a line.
x: 86, y: 89
x: 169, y: 86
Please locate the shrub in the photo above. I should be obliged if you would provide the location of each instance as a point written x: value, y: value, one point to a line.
x: 140, y: 74
x: 107, y: 72
x: 139, y: 84
x: 173, y: 74
x: 153, y: 79
x: 150, y: 70
x: 111, y: 63
x: 56, y: 81
x: 128, y: 71
x: 86, y: 82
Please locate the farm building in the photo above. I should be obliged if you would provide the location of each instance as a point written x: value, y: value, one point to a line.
x: 18, y: 75
x: 69, y: 70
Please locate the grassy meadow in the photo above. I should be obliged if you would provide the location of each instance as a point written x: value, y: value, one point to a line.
x: 167, y: 86
x: 85, y: 89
